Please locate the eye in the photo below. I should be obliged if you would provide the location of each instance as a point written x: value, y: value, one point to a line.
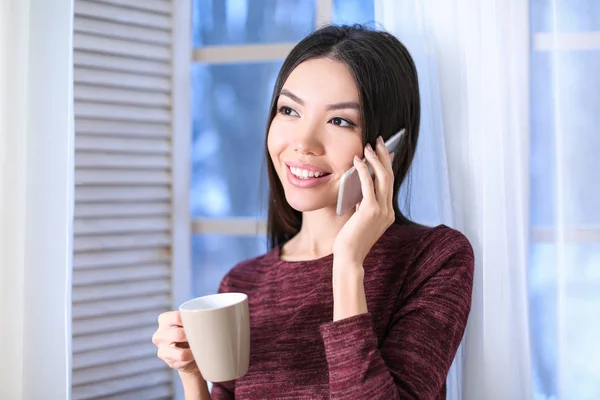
x: 341, y: 122
x: 285, y: 110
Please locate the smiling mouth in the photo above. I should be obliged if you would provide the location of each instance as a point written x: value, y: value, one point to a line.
x: 306, y: 174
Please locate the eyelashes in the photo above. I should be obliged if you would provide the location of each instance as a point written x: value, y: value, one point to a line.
x: 285, y: 110
x: 337, y: 121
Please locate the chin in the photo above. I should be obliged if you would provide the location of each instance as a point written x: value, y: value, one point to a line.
x: 306, y: 203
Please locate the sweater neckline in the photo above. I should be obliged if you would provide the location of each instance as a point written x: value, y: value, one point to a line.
x: 277, y: 256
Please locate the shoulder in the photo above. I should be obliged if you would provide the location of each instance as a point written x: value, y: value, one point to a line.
x: 444, y: 255
x: 247, y: 272
x: 442, y: 243
x: 426, y: 251
x: 416, y: 242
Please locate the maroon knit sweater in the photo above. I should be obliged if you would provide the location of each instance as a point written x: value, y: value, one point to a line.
x: 418, y: 284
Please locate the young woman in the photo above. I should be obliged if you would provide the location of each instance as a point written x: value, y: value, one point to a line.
x: 365, y: 306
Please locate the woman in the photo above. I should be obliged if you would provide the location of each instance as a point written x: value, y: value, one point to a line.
x: 365, y: 306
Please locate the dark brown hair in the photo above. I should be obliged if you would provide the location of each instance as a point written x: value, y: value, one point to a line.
x: 387, y: 82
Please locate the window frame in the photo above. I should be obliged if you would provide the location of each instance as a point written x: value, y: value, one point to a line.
x: 549, y: 42
x: 240, y: 54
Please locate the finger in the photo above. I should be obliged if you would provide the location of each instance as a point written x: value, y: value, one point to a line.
x: 382, y: 175
x: 175, y: 334
x: 156, y: 338
x: 170, y: 318
x: 387, y: 160
x: 366, y: 183
x: 169, y: 335
x: 174, y: 355
x: 382, y: 151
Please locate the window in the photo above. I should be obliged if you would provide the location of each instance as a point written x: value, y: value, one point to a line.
x: 239, y: 46
x: 565, y: 274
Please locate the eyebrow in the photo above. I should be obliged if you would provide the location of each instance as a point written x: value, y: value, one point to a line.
x: 337, y: 106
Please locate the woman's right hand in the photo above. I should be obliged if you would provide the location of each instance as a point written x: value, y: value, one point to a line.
x: 173, y: 347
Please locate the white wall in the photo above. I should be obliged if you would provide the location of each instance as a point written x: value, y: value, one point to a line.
x: 36, y: 197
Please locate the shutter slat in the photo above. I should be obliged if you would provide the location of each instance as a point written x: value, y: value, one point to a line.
x: 120, y: 290
x: 121, y: 128
x: 104, y: 340
x: 127, y: 114
x: 123, y: 48
x: 121, y: 241
x: 103, y: 160
x: 92, y: 26
x: 157, y: 6
x: 148, y: 393
x: 121, y: 112
x: 119, y: 385
x: 113, y: 323
x: 118, y: 15
x: 106, y: 226
x: 82, y: 58
x: 113, y: 95
x: 121, y: 273
x: 120, y: 306
x: 124, y: 145
x: 125, y: 194
x: 117, y: 370
x: 124, y: 80
x: 121, y: 177
x: 113, y: 354
x: 107, y: 209
x: 124, y: 257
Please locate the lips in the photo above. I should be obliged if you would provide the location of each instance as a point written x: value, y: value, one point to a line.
x: 308, y: 182
x: 307, y: 167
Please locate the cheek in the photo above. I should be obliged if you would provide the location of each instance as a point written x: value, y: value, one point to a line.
x: 275, y: 145
x: 342, y: 154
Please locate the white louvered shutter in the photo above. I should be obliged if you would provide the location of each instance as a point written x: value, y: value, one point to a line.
x: 123, y: 204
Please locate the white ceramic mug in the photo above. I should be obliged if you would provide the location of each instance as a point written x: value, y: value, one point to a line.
x: 218, y: 331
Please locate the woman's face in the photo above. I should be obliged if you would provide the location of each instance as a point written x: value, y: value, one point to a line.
x: 315, y: 133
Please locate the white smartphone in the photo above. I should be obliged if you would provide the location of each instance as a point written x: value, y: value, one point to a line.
x: 350, y: 192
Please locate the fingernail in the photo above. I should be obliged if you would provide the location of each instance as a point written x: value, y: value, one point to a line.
x: 380, y: 140
x: 369, y: 147
x: 356, y: 158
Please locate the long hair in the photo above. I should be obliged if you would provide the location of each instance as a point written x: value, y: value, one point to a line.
x: 387, y: 82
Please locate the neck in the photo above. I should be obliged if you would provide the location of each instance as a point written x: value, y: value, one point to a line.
x: 317, y: 234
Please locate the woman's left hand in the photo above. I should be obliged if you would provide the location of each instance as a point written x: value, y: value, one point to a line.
x: 374, y: 214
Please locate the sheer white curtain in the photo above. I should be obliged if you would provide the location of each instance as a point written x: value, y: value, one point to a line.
x: 565, y: 199
x: 472, y: 170
x: 36, y: 186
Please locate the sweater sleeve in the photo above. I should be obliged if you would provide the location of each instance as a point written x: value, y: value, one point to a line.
x: 423, y: 335
x: 223, y: 390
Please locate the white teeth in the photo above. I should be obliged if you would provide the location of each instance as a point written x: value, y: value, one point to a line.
x: 305, y: 174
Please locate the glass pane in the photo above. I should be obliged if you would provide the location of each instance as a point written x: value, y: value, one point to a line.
x: 230, y: 106
x: 566, y: 15
x: 353, y: 11
x: 565, y: 318
x: 542, y: 161
x: 574, y: 76
x: 228, y: 22
x: 214, y: 255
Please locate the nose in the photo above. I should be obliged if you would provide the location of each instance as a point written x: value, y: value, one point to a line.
x: 307, y: 141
